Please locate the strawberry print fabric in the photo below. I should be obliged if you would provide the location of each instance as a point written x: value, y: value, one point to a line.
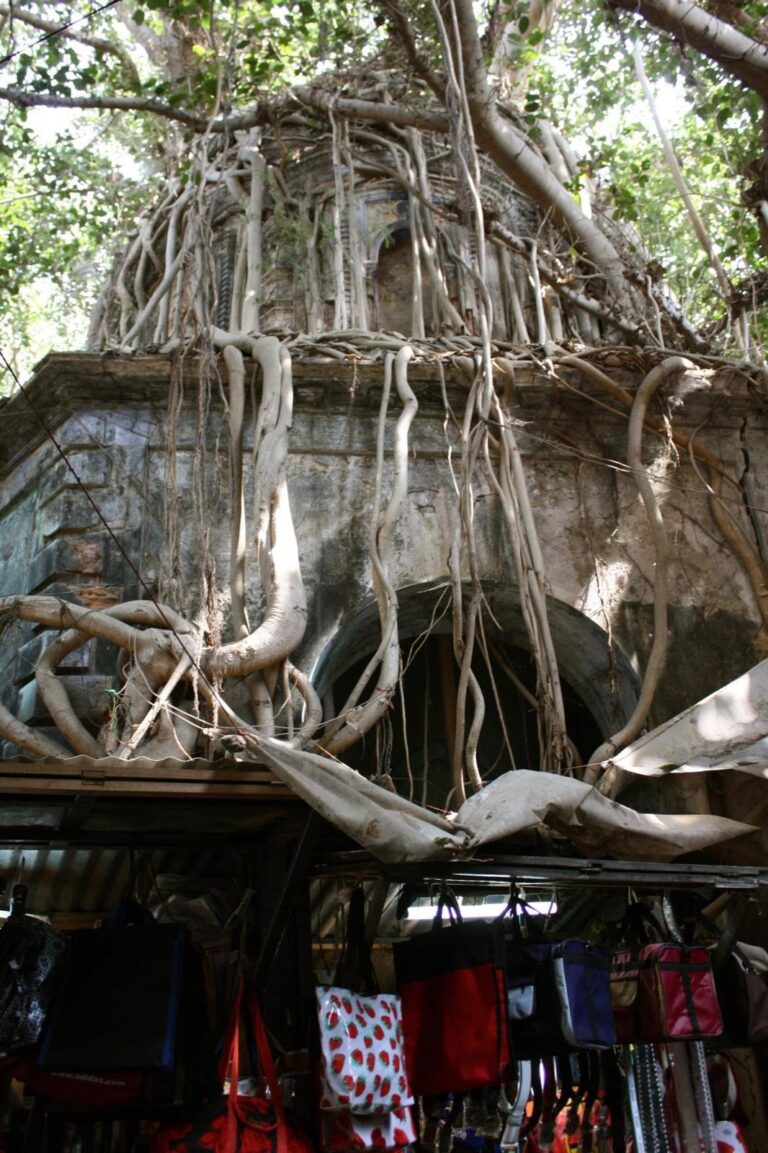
x: 345, y: 1132
x: 363, y: 1066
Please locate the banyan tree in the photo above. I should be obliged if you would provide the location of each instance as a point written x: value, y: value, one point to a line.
x: 450, y: 259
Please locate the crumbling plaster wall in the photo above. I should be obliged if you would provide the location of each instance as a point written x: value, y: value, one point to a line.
x: 109, y: 415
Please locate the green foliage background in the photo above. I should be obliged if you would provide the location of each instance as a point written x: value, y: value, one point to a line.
x: 68, y: 200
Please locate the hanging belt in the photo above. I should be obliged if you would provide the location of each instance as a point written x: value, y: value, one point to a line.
x: 514, y: 1113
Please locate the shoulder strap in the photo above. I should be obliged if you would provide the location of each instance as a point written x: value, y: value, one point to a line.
x: 447, y: 902
x: 355, y: 969
x: 231, y: 1055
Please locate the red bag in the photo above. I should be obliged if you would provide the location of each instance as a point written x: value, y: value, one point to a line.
x: 676, y: 998
x: 452, y: 987
x: 233, y: 1123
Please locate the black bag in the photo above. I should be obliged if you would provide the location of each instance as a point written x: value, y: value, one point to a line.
x: 129, y: 1025
x: 742, y: 992
x: 31, y: 959
x: 118, y: 1003
x: 533, y: 1002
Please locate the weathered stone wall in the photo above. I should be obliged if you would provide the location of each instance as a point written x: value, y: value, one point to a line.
x: 110, y: 417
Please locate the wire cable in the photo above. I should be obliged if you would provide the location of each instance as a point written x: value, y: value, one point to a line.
x: 58, y: 31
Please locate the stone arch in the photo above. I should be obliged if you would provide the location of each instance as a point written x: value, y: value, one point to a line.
x: 394, y: 284
x: 600, y: 685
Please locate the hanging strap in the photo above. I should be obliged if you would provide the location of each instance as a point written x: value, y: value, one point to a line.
x: 355, y: 969
x: 685, y: 1102
x: 447, y: 902
x: 703, y: 1095
x: 514, y: 1112
x: 230, y: 1059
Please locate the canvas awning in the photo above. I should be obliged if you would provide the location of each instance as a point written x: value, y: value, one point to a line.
x: 397, y: 830
x: 726, y: 730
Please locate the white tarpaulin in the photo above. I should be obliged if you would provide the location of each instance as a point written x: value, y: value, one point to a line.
x: 726, y: 730
x: 397, y: 830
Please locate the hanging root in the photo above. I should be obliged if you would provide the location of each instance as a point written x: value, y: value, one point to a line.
x: 356, y: 719
x: 657, y: 658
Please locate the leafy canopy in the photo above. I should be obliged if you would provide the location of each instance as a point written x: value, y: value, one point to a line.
x: 69, y: 196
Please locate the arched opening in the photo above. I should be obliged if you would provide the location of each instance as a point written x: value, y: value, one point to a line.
x: 395, y: 286
x: 413, y: 743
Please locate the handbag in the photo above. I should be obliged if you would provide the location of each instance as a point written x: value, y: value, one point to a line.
x: 362, y: 1054
x: 117, y: 1007
x: 361, y: 1034
x: 31, y: 960
x: 452, y: 986
x: 582, y: 977
x: 233, y: 1122
x: 158, y: 971
x: 742, y: 991
x: 633, y: 933
x: 624, y: 983
x: 533, y: 1011
x: 741, y: 981
x: 343, y: 1130
x: 677, y: 1000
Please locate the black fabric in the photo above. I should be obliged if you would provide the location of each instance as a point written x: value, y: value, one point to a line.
x: 440, y: 951
x: 355, y: 970
x: 540, y: 1035
x: 118, y: 1003
x: 31, y: 956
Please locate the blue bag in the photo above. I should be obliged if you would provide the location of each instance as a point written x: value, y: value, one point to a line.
x: 582, y: 974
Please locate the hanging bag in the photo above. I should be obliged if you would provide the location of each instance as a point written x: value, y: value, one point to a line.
x: 364, y: 1091
x: 742, y: 991
x: 633, y: 932
x: 129, y: 1025
x: 235, y: 1122
x: 741, y: 981
x: 361, y: 1035
x: 32, y: 957
x: 583, y: 979
x: 677, y: 1000
x: 362, y: 1052
x: 117, y: 1007
x: 344, y: 1131
x: 452, y: 986
x: 532, y: 1004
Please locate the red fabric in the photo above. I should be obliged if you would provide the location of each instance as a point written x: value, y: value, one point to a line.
x: 233, y: 1123
x: 455, y: 1030
x: 676, y: 994
x: 89, y: 1090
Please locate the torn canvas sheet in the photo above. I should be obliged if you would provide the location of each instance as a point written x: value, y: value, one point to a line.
x: 726, y: 730
x: 397, y: 830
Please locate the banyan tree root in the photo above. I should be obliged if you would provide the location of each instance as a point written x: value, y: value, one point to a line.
x: 164, y: 661
x: 657, y: 658
x: 355, y: 718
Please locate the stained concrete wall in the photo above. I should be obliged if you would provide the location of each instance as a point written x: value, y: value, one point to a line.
x: 110, y: 417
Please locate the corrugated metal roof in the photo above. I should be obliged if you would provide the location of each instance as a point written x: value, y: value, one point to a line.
x: 87, y: 882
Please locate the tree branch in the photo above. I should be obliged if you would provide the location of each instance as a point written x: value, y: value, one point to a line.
x: 404, y: 33
x: 513, y: 153
x: 97, y: 42
x: 737, y: 53
x: 22, y: 99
